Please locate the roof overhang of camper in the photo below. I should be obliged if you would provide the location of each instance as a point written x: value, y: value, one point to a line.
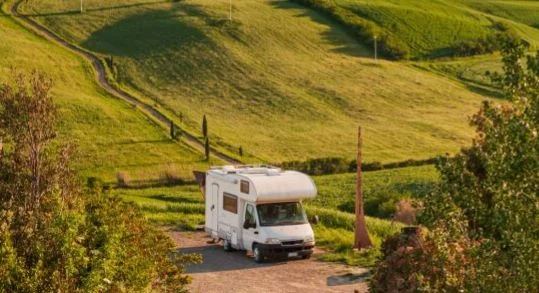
x: 273, y: 185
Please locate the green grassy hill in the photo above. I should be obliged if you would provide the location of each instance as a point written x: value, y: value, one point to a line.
x: 280, y: 80
x: 428, y: 28
x: 526, y: 12
x: 110, y: 135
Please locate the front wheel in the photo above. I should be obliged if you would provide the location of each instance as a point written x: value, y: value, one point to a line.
x: 257, y: 254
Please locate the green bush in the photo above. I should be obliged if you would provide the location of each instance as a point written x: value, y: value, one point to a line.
x: 325, y: 166
x: 56, y: 236
x: 486, y: 45
x: 380, y: 203
x: 483, y: 220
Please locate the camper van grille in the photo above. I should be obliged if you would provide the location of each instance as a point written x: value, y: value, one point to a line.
x: 296, y: 242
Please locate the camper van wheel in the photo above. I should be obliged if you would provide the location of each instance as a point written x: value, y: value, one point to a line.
x: 226, y: 245
x: 257, y: 254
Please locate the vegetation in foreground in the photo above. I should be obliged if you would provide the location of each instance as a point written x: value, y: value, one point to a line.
x: 289, y: 79
x: 56, y: 237
x: 482, y: 217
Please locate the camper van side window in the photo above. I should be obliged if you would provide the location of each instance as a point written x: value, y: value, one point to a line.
x: 230, y: 203
x: 244, y: 186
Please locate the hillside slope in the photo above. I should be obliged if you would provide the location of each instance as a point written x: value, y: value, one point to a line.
x: 279, y: 80
x: 426, y: 28
x: 110, y: 136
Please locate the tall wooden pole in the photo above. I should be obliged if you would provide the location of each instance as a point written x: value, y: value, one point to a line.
x: 362, y: 239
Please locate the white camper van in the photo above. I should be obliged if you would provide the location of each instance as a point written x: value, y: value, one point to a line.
x: 258, y: 209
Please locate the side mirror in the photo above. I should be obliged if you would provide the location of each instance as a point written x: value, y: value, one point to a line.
x: 315, y: 219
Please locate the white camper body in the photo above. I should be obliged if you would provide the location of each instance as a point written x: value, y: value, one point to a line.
x: 258, y: 209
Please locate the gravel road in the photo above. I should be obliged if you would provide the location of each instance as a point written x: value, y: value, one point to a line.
x: 236, y: 272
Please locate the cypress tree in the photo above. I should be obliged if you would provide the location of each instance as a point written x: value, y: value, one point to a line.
x: 207, y: 149
x: 172, y: 130
x: 241, y: 151
x: 204, y: 126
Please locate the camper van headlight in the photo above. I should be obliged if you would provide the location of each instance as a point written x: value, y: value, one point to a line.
x: 273, y: 241
x: 308, y: 239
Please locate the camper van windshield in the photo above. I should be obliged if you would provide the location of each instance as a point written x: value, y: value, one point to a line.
x: 281, y: 214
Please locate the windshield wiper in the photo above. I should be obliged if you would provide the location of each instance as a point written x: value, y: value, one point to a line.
x: 290, y: 223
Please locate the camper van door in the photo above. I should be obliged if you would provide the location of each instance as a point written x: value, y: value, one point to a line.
x: 214, y: 206
x: 249, y: 226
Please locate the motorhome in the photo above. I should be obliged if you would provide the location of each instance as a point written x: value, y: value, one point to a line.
x: 258, y: 209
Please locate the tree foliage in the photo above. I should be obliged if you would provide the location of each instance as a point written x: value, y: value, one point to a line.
x: 483, y: 217
x: 56, y: 236
x: 204, y: 126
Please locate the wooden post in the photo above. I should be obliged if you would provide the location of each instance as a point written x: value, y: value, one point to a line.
x: 362, y: 239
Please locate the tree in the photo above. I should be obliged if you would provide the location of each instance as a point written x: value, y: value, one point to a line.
x: 483, y: 220
x: 207, y: 148
x: 172, y: 130
x: 56, y: 236
x: 204, y: 126
x: 240, y: 151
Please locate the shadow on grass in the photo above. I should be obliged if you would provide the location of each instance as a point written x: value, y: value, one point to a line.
x: 176, y: 199
x: 336, y: 33
x: 130, y: 142
x: 149, y: 33
x: 72, y: 12
x: 483, y: 90
x: 157, y: 183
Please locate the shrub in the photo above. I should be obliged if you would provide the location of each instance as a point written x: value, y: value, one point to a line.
x: 406, y: 212
x: 172, y: 177
x: 483, y: 214
x: 409, y: 259
x: 380, y: 203
x: 56, y: 236
x: 486, y: 45
x: 122, y: 179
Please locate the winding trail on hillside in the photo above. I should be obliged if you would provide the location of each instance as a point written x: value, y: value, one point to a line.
x: 101, y: 78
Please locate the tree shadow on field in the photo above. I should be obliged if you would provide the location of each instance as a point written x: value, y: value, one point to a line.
x: 336, y: 34
x: 150, y: 32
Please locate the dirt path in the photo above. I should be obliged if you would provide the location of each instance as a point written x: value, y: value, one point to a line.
x: 101, y: 78
x: 236, y: 272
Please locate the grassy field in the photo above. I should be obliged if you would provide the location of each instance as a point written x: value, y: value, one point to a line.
x: 110, y: 136
x: 382, y: 189
x: 526, y: 12
x: 280, y: 80
x: 432, y: 28
x: 183, y: 206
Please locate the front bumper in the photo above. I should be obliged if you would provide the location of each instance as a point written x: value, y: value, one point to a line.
x: 285, y: 251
